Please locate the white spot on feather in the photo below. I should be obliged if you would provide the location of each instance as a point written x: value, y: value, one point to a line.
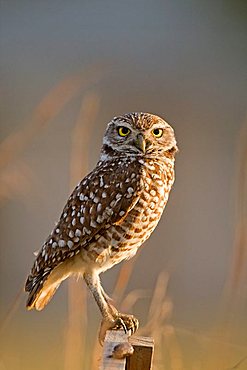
x: 61, y: 243
x: 112, y: 204
x: 86, y: 231
x: 93, y: 223
x: 70, y: 243
x: 101, y: 181
x: 100, y: 219
x: 78, y: 232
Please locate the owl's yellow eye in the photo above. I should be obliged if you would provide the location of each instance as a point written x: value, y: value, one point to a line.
x: 157, y: 132
x: 123, y: 131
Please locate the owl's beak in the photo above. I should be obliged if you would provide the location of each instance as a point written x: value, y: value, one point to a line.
x: 140, y: 143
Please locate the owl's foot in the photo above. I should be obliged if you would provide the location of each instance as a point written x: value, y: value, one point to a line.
x: 128, y: 323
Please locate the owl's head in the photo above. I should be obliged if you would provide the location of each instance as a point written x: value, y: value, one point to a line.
x: 139, y: 134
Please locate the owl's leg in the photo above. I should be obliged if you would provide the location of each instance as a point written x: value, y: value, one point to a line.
x: 125, y: 321
x: 93, y: 282
x: 112, y: 319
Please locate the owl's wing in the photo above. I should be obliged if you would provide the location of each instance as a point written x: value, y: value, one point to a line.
x: 102, y: 198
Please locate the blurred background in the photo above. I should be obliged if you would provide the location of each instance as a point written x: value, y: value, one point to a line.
x: 68, y: 67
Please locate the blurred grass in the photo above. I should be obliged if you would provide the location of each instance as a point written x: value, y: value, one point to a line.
x: 75, y: 346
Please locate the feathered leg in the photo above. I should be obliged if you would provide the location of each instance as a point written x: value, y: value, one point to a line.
x: 112, y: 319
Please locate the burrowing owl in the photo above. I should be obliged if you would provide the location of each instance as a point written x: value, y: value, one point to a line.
x: 110, y: 213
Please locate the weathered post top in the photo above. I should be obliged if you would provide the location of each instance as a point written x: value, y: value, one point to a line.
x: 141, y: 359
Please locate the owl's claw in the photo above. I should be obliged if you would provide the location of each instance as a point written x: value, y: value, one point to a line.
x: 128, y: 323
x: 120, y: 324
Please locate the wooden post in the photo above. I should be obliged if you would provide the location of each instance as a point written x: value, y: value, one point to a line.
x: 141, y: 358
x: 143, y: 354
x: 113, y: 338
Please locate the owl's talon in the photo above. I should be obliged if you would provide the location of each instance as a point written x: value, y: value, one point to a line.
x: 119, y: 323
x: 128, y: 323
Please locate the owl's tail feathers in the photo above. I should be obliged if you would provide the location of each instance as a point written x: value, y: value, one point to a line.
x: 40, y: 291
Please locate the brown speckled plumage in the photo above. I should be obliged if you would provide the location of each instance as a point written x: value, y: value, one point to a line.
x: 110, y: 213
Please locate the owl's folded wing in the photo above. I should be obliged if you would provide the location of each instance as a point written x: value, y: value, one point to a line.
x: 102, y: 198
